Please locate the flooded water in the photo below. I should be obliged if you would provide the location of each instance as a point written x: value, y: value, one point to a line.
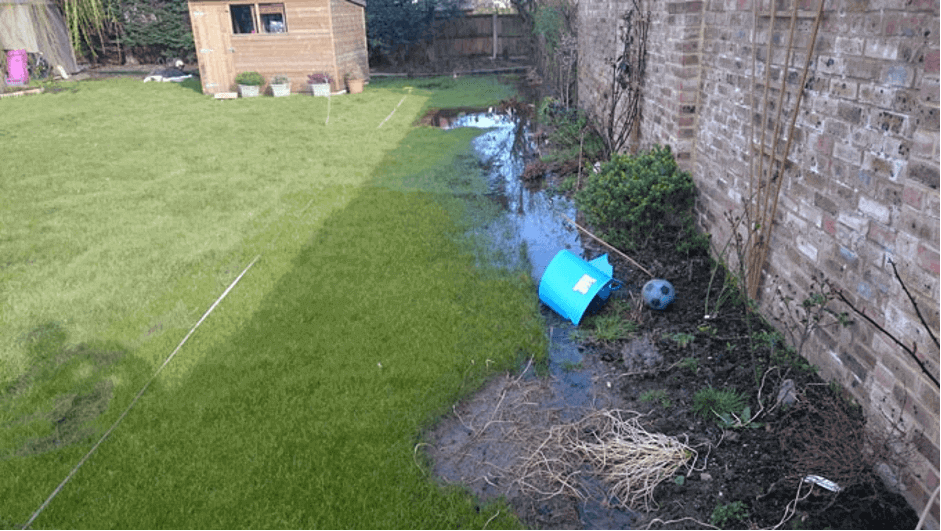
x: 482, y: 444
x: 533, y: 219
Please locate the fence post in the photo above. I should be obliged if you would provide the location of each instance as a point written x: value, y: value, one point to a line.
x: 494, y: 58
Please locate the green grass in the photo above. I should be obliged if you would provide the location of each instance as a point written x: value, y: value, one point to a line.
x: 299, y: 402
x: 713, y: 403
x: 656, y: 395
x: 690, y: 363
x: 612, y: 327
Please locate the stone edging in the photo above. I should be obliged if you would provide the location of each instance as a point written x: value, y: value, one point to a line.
x: 27, y: 92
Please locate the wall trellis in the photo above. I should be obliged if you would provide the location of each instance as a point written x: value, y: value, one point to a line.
x: 764, y: 185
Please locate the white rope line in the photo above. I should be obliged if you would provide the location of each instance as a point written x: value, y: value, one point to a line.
x: 305, y: 208
x: 391, y: 113
x: 328, y: 110
x: 139, y: 394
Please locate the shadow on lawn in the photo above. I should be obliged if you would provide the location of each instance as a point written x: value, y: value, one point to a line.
x: 73, y: 378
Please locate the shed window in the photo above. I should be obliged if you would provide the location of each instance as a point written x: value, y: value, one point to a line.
x: 243, y: 18
x: 272, y: 18
x: 258, y: 18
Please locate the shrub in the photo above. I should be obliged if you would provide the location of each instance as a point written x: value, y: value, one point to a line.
x: 151, y: 27
x: 636, y: 199
x: 249, y: 78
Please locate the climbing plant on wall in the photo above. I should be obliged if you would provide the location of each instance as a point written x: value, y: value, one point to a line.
x: 618, y: 118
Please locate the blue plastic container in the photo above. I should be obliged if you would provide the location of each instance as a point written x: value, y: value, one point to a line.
x: 570, y: 284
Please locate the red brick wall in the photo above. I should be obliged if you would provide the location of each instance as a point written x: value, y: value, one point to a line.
x: 862, y: 187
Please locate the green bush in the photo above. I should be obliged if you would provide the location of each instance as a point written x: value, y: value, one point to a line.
x: 636, y: 199
x: 249, y: 78
x: 155, y: 27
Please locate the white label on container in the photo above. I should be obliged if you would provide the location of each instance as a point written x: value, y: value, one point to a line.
x: 584, y: 284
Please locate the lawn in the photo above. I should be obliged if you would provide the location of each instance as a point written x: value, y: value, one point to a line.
x: 128, y: 208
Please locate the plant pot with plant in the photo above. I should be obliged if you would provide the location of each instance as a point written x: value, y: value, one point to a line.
x: 354, y: 81
x: 319, y: 83
x: 280, y: 86
x: 249, y: 83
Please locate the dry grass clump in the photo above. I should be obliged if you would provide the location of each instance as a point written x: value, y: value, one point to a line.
x: 611, y: 445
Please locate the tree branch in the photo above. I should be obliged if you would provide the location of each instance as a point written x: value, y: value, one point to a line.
x: 911, y: 352
x: 914, y: 304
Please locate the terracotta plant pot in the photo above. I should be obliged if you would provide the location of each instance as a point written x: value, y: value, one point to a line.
x: 354, y: 85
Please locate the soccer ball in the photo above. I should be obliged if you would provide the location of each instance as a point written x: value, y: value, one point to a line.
x: 658, y: 294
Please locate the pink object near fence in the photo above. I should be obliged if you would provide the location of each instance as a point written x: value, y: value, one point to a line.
x: 17, y: 73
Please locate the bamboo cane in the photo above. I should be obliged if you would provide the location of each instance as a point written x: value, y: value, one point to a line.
x: 609, y: 246
x: 327, y: 121
x: 764, y: 111
x: 763, y: 250
x: 762, y: 212
x: 927, y: 509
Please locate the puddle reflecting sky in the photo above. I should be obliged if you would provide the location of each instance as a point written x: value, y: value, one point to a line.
x: 532, y: 219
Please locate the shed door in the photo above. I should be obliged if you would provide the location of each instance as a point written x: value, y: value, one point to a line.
x: 213, y: 39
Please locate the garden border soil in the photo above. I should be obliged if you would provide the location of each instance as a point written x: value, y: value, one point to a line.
x: 762, y: 464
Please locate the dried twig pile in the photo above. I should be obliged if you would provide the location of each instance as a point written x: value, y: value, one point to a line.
x: 608, y: 444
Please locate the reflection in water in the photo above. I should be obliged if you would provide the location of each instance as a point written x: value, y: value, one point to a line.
x: 533, y: 219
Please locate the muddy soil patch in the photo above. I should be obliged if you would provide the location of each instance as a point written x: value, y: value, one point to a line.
x: 495, y: 442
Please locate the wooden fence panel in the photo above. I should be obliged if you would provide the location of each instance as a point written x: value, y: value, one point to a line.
x: 472, y: 35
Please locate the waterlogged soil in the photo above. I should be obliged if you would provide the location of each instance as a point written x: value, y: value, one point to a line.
x: 499, y: 442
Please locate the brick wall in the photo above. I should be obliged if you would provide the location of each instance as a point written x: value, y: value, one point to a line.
x: 596, y: 49
x: 672, y: 69
x: 861, y: 188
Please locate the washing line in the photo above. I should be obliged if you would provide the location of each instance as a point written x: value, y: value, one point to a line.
x: 391, y: 113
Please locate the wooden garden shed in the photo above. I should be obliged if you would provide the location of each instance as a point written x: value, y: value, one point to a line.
x: 293, y: 38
